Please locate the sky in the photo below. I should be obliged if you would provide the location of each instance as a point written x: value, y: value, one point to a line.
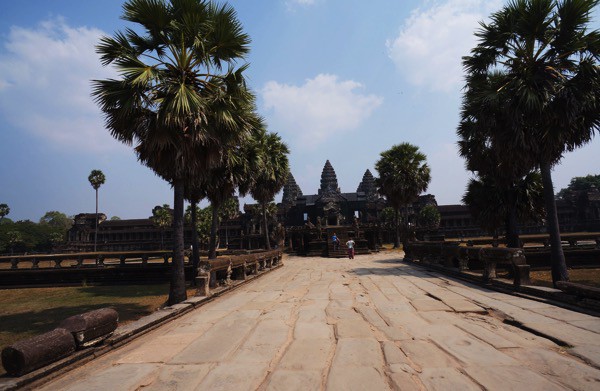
x: 338, y: 80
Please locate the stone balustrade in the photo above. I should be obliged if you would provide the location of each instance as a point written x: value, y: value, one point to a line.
x: 451, y: 254
x: 570, y: 239
x: 80, y: 260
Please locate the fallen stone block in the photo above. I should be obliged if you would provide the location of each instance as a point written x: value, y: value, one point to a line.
x: 32, y: 353
x: 91, y: 327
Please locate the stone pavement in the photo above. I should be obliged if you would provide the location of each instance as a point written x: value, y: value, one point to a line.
x: 372, y: 323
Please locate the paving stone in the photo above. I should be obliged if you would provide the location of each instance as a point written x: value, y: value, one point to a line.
x: 160, y: 349
x: 429, y: 305
x: 262, y: 345
x: 589, y: 353
x: 179, y: 377
x: 444, y: 379
x: 559, y: 368
x: 393, y: 354
x: 427, y: 354
x: 126, y: 376
x: 462, y: 305
x: 212, y: 347
x: 471, y: 351
x: 356, y: 378
x: 230, y: 376
x: 487, y: 336
x: 591, y: 325
x: 307, y: 354
x: 289, y: 380
x: 371, y: 315
x: 358, y: 352
x: 313, y: 330
x: 353, y: 328
x: 404, y: 381
x: 564, y: 314
x: 512, y: 378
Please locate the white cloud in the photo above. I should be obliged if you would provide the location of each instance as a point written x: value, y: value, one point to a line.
x: 45, y: 85
x: 322, y: 108
x: 432, y: 41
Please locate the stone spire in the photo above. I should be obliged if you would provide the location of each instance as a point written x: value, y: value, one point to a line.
x: 367, y: 185
x: 291, y: 191
x: 329, y: 183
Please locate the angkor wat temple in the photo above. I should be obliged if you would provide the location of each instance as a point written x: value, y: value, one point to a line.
x: 305, y: 222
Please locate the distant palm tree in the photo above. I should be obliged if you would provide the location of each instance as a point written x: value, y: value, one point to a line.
x: 271, y: 175
x: 549, y: 64
x: 4, y: 211
x: 171, y: 81
x: 403, y: 176
x: 96, y: 179
x: 162, y: 217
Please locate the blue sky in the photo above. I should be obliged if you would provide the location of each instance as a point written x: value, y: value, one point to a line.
x: 338, y: 79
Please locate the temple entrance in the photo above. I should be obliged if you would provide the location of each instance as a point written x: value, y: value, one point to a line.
x: 332, y: 220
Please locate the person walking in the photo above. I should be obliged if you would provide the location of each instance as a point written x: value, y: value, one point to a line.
x: 336, y: 242
x: 350, y: 244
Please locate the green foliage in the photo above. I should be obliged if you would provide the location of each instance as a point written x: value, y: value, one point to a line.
x: 96, y: 179
x: 115, y: 218
x: 429, y: 217
x: 580, y: 183
x: 4, y: 211
x: 162, y: 216
x: 230, y: 208
x: 387, y: 217
x: 57, y: 220
x: 203, y: 223
x: 26, y: 236
x: 403, y: 174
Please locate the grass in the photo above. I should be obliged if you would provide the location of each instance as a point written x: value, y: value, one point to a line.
x: 589, y: 277
x: 32, y: 311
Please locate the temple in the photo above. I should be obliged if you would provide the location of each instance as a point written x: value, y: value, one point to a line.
x: 305, y: 223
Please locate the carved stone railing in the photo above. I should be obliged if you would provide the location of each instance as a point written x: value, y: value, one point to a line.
x: 451, y: 254
x: 80, y: 260
x: 222, y: 270
x: 570, y: 239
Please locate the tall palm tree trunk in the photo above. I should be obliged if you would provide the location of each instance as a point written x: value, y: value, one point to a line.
x: 195, y: 240
x: 512, y: 229
x: 557, y: 256
x: 264, y: 213
x: 397, y: 221
x: 96, y: 230
x: 177, y: 291
x: 214, y: 227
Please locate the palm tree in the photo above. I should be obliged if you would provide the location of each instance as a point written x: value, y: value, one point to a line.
x: 96, y: 179
x: 403, y: 175
x: 271, y: 175
x: 229, y: 210
x: 4, y: 211
x: 549, y: 62
x: 505, y: 187
x: 162, y: 217
x: 172, y: 79
x: 493, y: 205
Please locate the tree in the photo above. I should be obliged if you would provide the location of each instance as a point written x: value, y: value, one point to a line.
x: 271, y: 175
x: 14, y: 238
x: 96, y: 179
x: 580, y: 183
x: 115, y: 218
x: 548, y: 62
x: 429, y: 218
x: 403, y: 176
x: 4, y: 211
x: 229, y: 210
x: 491, y: 205
x: 57, y: 220
x: 171, y: 82
x: 504, y: 190
x: 162, y: 217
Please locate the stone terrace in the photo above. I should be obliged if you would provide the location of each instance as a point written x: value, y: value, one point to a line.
x: 371, y: 323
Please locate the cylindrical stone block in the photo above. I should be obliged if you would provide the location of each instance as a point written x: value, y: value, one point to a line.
x: 29, y: 354
x: 91, y: 327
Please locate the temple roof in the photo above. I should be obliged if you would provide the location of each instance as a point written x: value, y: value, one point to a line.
x: 329, y: 183
x: 291, y: 191
x: 367, y: 185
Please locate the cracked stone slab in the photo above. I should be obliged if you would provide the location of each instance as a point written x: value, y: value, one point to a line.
x: 232, y: 376
x: 514, y: 378
x: 443, y: 379
x: 290, y: 380
x: 356, y: 378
